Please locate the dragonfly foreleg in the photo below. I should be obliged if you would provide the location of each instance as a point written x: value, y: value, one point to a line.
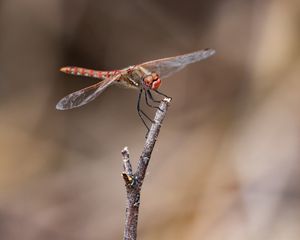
x: 151, y: 96
x: 141, y: 112
x: 160, y: 93
x: 147, y: 100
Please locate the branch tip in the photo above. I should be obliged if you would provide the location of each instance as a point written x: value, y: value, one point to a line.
x: 125, y: 151
x: 167, y: 100
x: 126, y: 162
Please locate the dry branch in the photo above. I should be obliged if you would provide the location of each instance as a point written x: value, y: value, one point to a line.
x: 134, y: 181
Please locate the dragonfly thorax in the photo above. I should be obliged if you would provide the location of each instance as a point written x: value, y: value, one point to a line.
x: 152, y: 81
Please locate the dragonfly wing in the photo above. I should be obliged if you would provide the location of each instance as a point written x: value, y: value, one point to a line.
x: 85, y: 95
x: 165, y: 67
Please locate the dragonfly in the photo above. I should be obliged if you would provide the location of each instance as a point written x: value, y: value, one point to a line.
x: 145, y: 77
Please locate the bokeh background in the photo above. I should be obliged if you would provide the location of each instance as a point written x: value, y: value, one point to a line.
x: 226, y: 164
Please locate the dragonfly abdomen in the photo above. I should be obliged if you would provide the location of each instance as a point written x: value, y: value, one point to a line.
x: 89, y: 72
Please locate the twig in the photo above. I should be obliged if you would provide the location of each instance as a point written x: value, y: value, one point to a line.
x: 134, y: 181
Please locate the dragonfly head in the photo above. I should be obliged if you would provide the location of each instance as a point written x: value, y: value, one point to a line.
x: 152, y: 81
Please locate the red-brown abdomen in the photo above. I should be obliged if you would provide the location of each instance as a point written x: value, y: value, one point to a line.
x: 88, y: 72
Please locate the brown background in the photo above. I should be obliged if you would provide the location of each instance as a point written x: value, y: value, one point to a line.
x: 226, y: 165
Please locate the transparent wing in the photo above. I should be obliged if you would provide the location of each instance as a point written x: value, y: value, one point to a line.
x: 85, y: 95
x: 165, y: 67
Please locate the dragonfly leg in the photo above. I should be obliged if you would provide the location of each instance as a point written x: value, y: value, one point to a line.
x: 151, y: 97
x: 146, y: 98
x: 160, y: 93
x: 141, y: 112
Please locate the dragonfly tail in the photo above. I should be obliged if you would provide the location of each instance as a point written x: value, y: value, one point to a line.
x: 78, y: 71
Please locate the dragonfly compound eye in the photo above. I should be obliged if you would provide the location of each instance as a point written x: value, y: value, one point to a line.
x: 156, y: 84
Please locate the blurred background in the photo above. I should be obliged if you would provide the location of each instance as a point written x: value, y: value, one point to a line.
x: 226, y: 164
